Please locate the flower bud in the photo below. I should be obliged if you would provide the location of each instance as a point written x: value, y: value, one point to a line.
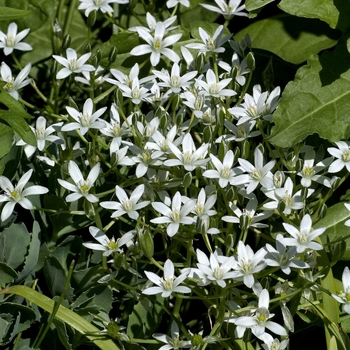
x: 66, y: 42
x: 112, y: 329
x: 250, y: 61
x: 279, y: 178
x: 146, y: 243
x: 323, y: 211
x: 187, y: 180
x: 87, y: 48
x: 112, y: 56
x: 72, y: 104
x: 245, y: 149
x: 196, y: 339
x: 207, y: 134
x: 91, y: 19
x: 281, y: 206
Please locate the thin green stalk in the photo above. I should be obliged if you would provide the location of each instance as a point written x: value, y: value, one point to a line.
x: 39, y: 340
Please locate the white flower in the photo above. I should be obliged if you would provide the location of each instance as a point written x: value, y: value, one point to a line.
x: 157, y: 45
x: 190, y: 157
x: 211, y: 43
x: 282, y: 257
x: 286, y: 196
x: 173, y: 3
x: 102, y: 5
x: 214, y: 88
x: 247, y: 217
x: 176, y: 215
x: 73, y: 64
x: 308, y: 173
x: 115, y: 129
x: 168, y: 284
x: 215, y: 269
x: 343, y: 155
x: 227, y: 10
x: 11, y: 40
x: 344, y: 296
x: 136, y: 93
x: 152, y: 22
x: 42, y: 134
x: 303, y: 238
x: 274, y: 344
x: 174, y: 81
x: 86, y: 120
x: 240, y: 132
x: 81, y: 187
x: 126, y: 205
x: 247, y: 263
x: 261, y: 318
x: 238, y: 68
x: 224, y: 171
x: 108, y: 246
x: 13, y: 85
x: 256, y: 106
x: 259, y: 173
x: 174, y: 341
x: 16, y: 194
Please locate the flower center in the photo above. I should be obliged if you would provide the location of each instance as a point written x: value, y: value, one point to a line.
x: 84, y: 120
x: 14, y: 194
x: 112, y: 245
x: 308, y: 172
x: 252, y: 111
x: 214, y: 89
x: 10, y: 41
x: 146, y: 157
x: 157, y: 45
x: 175, y: 81
x: 40, y: 133
x: 187, y: 157
x: 97, y: 2
x: 346, y: 156
x: 211, y: 44
x: 255, y: 174
x: 127, y: 204
x: 116, y: 129
x: 225, y: 173
x: 168, y: 283
x: 73, y: 64
x: 218, y: 274
x: 135, y: 92
x: 262, y: 315
x: 175, y: 215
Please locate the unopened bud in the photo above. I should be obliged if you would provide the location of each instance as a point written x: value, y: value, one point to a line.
x: 73, y: 104
x: 66, y: 42
x: 245, y: 149
x: 323, y: 211
x: 251, y: 61
x: 196, y: 340
x: 146, y: 243
x: 91, y: 19
x: 281, y: 206
x: 87, y: 48
x: 207, y: 134
x: 112, y: 329
x: 112, y: 56
x: 279, y: 178
x: 187, y: 180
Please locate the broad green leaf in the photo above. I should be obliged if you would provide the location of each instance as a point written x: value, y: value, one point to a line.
x: 27, y: 315
x: 335, y: 13
x: 292, y: 38
x: 31, y: 258
x: 9, y: 14
x: 335, y: 228
x: 124, y: 42
x: 7, y: 274
x: 86, y: 278
x: 316, y: 101
x: 252, y: 5
x: 69, y: 317
x: 17, y: 241
x: 56, y: 277
x: 19, y: 125
x: 148, y: 319
x: 12, y: 104
x: 5, y: 140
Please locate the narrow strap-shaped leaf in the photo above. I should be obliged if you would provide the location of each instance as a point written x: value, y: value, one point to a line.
x: 69, y: 317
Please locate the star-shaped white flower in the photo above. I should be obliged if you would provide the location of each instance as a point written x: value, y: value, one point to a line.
x: 86, y: 120
x: 303, y: 238
x: 157, y: 45
x: 73, y: 64
x: 11, y: 40
x: 344, y: 296
x: 82, y: 186
x: 227, y: 10
x: 176, y: 215
x: 343, y: 155
x: 168, y: 284
x: 126, y: 205
x: 13, y: 85
x: 17, y: 194
x: 102, y: 5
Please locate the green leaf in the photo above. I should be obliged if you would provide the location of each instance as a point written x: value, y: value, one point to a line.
x: 33, y: 254
x: 123, y: 41
x: 292, y: 38
x: 252, y: 5
x: 56, y: 277
x: 9, y: 14
x: 6, y: 140
x: 316, y: 101
x: 7, y: 274
x: 12, y: 104
x: 27, y: 315
x: 335, y: 228
x: 63, y: 314
x: 335, y: 13
x: 18, y: 124
x: 17, y: 240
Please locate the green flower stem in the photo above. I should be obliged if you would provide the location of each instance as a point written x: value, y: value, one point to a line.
x: 69, y: 17
x: 41, y: 336
x: 245, y: 88
x: 143, y: 341
x: 156, y: 263
x: 104, y: 94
